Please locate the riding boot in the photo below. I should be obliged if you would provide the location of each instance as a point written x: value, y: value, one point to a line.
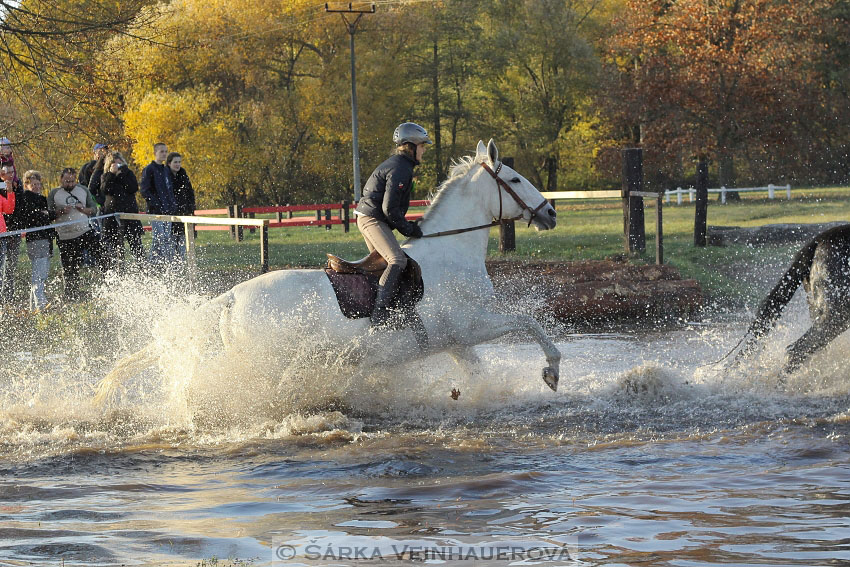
x: 387, y: 287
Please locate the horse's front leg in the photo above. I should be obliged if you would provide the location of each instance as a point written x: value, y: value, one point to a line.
x: 494, y: 325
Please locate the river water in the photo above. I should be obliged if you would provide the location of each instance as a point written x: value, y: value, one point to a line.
x: 643, y: 457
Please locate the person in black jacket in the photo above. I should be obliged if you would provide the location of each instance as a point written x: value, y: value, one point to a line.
x: 385, y: 200
x: 184, y: 194
x: 118, y: 188
x: 32, y: 208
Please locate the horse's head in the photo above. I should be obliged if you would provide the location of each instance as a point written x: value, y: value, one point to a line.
x: 517, y: 197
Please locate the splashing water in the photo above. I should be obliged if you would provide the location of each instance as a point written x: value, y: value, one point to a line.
x: 635, y: 454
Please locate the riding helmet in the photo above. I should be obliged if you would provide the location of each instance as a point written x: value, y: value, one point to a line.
x: 412, y: 133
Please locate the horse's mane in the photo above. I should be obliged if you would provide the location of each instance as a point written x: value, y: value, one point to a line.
x: 459, y: 168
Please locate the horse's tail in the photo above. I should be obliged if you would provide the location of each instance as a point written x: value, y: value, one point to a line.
x: 148, y: 355
x: 771, y: 308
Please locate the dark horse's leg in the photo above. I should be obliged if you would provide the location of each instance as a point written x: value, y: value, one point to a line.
x: 828, y: 289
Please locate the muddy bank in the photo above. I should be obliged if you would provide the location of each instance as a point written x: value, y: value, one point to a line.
x: 601, y: 291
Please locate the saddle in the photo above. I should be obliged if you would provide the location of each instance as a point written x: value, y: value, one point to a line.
x: 356, y: 284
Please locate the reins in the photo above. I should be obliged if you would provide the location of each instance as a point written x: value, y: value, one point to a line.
x: 499, y: 184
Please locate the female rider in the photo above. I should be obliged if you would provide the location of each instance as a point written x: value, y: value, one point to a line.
x: 386, y: 198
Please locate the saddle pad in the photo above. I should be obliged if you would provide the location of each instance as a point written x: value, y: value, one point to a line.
x: 354, y: 292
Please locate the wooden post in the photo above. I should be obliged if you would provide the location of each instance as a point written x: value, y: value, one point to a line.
x: 235, y: 212
x: 701, y: 209
x: 264, y: 248
x: 327, y: 218
x: 231, y: 212
x: 253, y: 229
x: 507, y: 229
x: 633, y: 216
x: 191, y: 260
x: 659, y: 234
x: 279, y: 215
x: 344, y: 213
x: 289, y: 213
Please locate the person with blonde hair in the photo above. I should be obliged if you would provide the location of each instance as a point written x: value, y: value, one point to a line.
x: 118, y: 188
x: 32, y: 208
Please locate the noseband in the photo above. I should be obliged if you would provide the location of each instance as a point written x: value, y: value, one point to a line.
x: 500, y: 184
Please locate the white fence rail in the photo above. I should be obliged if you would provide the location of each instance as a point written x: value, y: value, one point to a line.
x: 691, y: 192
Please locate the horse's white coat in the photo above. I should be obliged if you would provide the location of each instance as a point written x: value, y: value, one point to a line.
x: 275, y: 315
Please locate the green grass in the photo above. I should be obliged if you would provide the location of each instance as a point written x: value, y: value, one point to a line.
x: 586, y: 230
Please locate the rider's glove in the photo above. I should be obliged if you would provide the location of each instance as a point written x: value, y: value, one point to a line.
x: 415, y: 232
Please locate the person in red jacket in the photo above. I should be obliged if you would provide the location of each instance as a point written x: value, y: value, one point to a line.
x: 9, y: 245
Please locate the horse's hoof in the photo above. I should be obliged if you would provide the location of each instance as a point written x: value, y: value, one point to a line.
x: 550, y: 376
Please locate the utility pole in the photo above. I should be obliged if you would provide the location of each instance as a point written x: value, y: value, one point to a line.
x: 352, y: 29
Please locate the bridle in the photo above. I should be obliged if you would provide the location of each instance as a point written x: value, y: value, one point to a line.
x: 500, y: 184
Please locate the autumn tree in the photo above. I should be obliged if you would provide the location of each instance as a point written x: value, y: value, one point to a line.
x: 721, y: 78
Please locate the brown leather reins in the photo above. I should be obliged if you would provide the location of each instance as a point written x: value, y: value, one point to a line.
x: 499, y: 184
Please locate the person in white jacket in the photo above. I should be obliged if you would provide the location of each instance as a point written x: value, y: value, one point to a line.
x: 73, y: 202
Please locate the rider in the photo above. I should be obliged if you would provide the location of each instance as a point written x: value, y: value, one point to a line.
x: 386, y: 198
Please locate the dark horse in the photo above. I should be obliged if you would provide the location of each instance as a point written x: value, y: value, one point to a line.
x: 823, y: 267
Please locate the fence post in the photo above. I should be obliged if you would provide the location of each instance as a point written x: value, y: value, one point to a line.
x: 770, y: 192
x: 253, y: 229
x: 344, y: 213
x: 701, y: 209
x: 507, y: 229
x: 788, y: 191
x: 633, y: 213
x: 264, y: 248
x: 279, y: 214
x: 288, y: 213
x: 659, y: 234
x: 191, y: 260
x: 235, y: 211
x: 691, y: 194
x: 723, y: 194
x: 327, y: 218
x: 678, y: 195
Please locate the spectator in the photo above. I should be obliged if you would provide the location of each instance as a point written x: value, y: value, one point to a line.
x: 184, y: 195
x: 73, y: 202
x: 157, y: 189
x: 118, y: 189
x: 32, y: 207
x: 88, y: 170
x: 7, y: 158
x: 9, y: 245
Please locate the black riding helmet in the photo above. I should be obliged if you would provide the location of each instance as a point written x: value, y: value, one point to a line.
x: 412, y: 133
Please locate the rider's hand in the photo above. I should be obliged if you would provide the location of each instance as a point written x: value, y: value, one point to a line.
x: 416, y: 232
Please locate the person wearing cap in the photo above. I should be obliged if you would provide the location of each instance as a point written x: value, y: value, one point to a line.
x: 87, y: 172
x: 385, y: 200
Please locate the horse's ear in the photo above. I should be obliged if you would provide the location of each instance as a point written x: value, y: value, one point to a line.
x: 480, y: 152
x: 492, y: 151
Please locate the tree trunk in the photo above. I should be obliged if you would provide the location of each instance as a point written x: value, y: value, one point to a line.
x: 726, y: 174
x: 552, y: 173
x: 438, y: 153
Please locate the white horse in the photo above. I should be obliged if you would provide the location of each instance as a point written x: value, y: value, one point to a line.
x: 262, y: 316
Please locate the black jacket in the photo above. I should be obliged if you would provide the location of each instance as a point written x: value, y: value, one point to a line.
x: 118, y: 191
x: 386, y: 196
x: 95, y: 178
x: 184, y: 194
x: 30, y: 212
